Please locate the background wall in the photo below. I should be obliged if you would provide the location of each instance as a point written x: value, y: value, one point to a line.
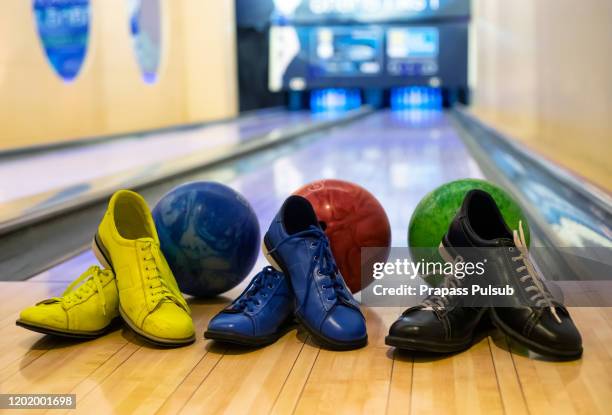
x: 543, y: 74
x: 196, y: 80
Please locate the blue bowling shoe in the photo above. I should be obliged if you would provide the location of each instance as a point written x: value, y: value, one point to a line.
x: 259, y: 316
x: 296, y: 244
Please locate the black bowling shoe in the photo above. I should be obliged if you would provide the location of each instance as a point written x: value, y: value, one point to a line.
x: 441, y: 324
x: 531, y: 316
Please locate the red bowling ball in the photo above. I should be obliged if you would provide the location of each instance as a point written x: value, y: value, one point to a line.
x: 353, y: 219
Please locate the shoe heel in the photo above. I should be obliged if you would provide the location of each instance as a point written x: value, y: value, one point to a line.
x: 269, y: 257
x: 98, y: 252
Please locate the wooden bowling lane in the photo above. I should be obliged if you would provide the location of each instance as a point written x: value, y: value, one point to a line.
x: 351, y: 382
x: 582, y: 386
x: 399, y: 159
x: 120, y: 374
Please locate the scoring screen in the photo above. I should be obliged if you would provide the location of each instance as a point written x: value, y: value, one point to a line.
x: 366, y: 11
x: 306, y: 57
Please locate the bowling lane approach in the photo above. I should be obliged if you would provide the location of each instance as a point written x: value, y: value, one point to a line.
x: 398, y: 156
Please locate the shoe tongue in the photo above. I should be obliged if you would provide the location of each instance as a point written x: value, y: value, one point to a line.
x: 480, y: 207
x: 490, y: 243
x: 460, y: 233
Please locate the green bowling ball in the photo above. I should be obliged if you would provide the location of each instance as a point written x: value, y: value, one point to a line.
x: 434, y: 213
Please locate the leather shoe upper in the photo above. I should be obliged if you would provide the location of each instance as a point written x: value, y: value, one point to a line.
x: 260, y: 310
x: 322, y: 300
x: 532, y: 315
x: 88, y: 305
x: 148, y: 293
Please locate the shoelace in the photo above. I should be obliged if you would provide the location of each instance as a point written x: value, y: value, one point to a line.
x: 158, y: 286
x: 76, y: 291
x: 259, y: 287
x: 323, y: 261
x: 542, y: 296
x: 439, y: 301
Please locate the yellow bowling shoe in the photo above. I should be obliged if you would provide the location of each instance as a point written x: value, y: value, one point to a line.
x: 85, y: 310
x: 150, y: 301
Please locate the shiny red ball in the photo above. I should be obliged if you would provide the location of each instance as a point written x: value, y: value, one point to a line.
x: 353, y: 219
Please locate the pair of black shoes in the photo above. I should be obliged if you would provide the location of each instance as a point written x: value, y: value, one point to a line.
x: 531, y: 316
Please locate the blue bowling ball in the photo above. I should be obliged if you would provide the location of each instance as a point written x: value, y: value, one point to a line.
x: 209, y: 235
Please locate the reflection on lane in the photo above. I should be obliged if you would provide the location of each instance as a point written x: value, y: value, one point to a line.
x: 72, y: 167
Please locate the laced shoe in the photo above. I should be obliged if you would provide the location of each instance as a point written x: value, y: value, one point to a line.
x: 150, y: 300
x: 531, y: 316
x: 85, y: 310
x: 296, y: 245
x: 259, y: 316
x: 441, y: 323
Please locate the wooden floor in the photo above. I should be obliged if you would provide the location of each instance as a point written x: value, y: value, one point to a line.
x: 118, y: 373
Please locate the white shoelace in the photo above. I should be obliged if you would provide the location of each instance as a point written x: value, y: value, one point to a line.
x: 439, y: 301
x: 542, y: 297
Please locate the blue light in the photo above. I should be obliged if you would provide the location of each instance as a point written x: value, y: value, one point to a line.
x: 334, y: 99
x: 416, y: 97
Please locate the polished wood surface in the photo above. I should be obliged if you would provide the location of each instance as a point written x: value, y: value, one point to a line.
x: 118, y: 373
x: 541, y: 73
x: 196, y: 79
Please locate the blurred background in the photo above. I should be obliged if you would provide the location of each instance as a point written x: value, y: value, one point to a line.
x: 398, y: 95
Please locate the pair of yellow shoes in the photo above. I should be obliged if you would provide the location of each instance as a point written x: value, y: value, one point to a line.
x: 137, y: 284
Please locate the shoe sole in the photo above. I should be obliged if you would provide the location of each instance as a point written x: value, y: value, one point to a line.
x: 103, y: 256
x: 318, y: 337
x: 157, y: 341
x: 71, y: 334
x: 249, y: 341
x: 101, y: 253
x: 415, y: 345
x: 536, y: 347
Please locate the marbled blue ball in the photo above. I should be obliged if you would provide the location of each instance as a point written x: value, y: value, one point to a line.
x: 209, y: 235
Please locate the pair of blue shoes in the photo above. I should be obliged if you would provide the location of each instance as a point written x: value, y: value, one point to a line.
x: 303, y: 283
